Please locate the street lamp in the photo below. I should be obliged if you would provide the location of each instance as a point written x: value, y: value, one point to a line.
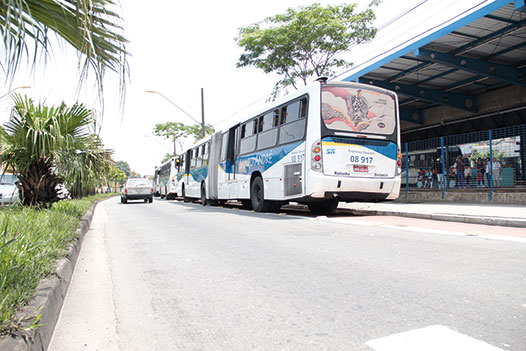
x: 12, y: 90
x: 202, y: 123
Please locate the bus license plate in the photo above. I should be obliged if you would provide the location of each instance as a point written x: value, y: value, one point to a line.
x: 364, y: 169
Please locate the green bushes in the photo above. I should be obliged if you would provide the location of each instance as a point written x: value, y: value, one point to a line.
x: 31, y: 241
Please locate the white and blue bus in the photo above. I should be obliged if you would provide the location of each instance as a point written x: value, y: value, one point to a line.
x: 330, y: 142
x: 167, y: 179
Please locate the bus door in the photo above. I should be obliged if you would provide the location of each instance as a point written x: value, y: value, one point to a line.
x: 188, y: 162
x: 232, y: 154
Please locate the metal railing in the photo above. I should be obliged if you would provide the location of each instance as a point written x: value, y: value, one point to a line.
x: 480, y: 160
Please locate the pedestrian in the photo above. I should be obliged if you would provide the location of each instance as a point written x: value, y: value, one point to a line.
x: 459, y: 165
x: 480, y: 173
x: 496, y: 166
x: 488, y: 171
x: 467, y: 173
x: 434, y: 177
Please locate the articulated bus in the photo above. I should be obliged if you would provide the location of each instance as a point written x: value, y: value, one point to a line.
x: 330, y: 142
x: 167, y: 183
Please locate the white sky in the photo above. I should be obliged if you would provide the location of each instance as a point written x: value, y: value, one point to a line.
x: 177, y: 48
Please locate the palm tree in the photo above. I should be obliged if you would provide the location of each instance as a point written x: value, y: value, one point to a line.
x: 92, y: 27
x: 86, y: 168
x: 39, y: 140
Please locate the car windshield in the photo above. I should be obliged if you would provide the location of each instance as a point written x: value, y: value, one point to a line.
x: 138, y: 182
x: 8, y: 179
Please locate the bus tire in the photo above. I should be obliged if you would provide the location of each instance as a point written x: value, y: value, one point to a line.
x: 257, y: 196
x: 323, y: 207
x: 204, y: 202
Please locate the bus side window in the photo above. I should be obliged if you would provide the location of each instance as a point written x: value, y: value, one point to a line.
x: 248, y: 144
x: 268, y: 136
x: 294, y: 127
x: 204, y: 153
x: 276, y: 118
x: 243, y: 130
x: 224, y: 144
x: 260, y: 128
x: 283, y: 115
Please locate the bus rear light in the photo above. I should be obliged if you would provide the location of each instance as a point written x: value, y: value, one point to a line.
x: 399, y: 162
x: 316, y: 156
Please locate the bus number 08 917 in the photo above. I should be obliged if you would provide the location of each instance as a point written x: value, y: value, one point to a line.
x: 361, y: 159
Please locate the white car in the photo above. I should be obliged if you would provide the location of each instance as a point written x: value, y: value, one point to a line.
x: 8, y: 189
x: 137, y: 189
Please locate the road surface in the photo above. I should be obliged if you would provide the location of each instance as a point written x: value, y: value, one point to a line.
x: 179, y: 276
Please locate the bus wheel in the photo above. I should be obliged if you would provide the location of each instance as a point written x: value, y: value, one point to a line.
x: 203, y: 195
x: 257, y: 196
x: 323, y: 207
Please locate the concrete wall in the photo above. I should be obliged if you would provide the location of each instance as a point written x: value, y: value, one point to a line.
x: 507, y: 198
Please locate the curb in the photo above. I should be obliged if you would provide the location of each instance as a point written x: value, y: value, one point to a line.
x: 496, y: 221
x: 49, y: 297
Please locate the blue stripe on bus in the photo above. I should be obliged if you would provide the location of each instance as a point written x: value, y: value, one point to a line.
x: 260, y: 161
x: 199, y: 174
x: 383, y: 147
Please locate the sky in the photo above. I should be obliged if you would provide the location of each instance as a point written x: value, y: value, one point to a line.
x: 176, y: 48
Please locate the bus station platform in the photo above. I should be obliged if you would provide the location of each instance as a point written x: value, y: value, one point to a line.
x: 488, y: 214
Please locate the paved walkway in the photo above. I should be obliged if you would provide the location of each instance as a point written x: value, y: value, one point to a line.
x: 501, y: 215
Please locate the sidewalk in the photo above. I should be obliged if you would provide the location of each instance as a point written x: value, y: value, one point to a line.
x: 499, y: 215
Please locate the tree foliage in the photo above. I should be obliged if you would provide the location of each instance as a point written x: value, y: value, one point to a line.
x: 125, y: 167
x: 92, y: 27
x: 46, y: 146
x: 305, y: 42
x: 179, y: 132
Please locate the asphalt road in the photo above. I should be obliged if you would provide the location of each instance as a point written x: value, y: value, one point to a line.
x: 178, y: 276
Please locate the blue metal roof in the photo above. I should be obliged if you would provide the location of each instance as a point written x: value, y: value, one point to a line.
x: 452, y: 63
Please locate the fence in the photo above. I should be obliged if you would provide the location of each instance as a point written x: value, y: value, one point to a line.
x: 489, y: 159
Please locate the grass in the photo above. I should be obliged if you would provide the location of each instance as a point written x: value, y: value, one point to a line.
x: 31, y: 241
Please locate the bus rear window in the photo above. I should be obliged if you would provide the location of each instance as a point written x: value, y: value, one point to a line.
x: 357, y: 110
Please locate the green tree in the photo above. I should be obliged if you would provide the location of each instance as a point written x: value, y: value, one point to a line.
x: 125, y: 167
x: 179, y: 132
x: 92, y: 27
x: 305, y: 42
x: 38, y: 141
x: 86, y: 168
x: 117, y: 175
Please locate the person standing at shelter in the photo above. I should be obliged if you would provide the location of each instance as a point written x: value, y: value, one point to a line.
x: 459, y: 165
x: 480, y: 173
x: 467, y: 174
x: 496, y: 166
x: 488, y: 171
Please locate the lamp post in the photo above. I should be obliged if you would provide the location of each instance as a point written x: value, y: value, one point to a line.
x: 202, y: 123
x: 12, y: 90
